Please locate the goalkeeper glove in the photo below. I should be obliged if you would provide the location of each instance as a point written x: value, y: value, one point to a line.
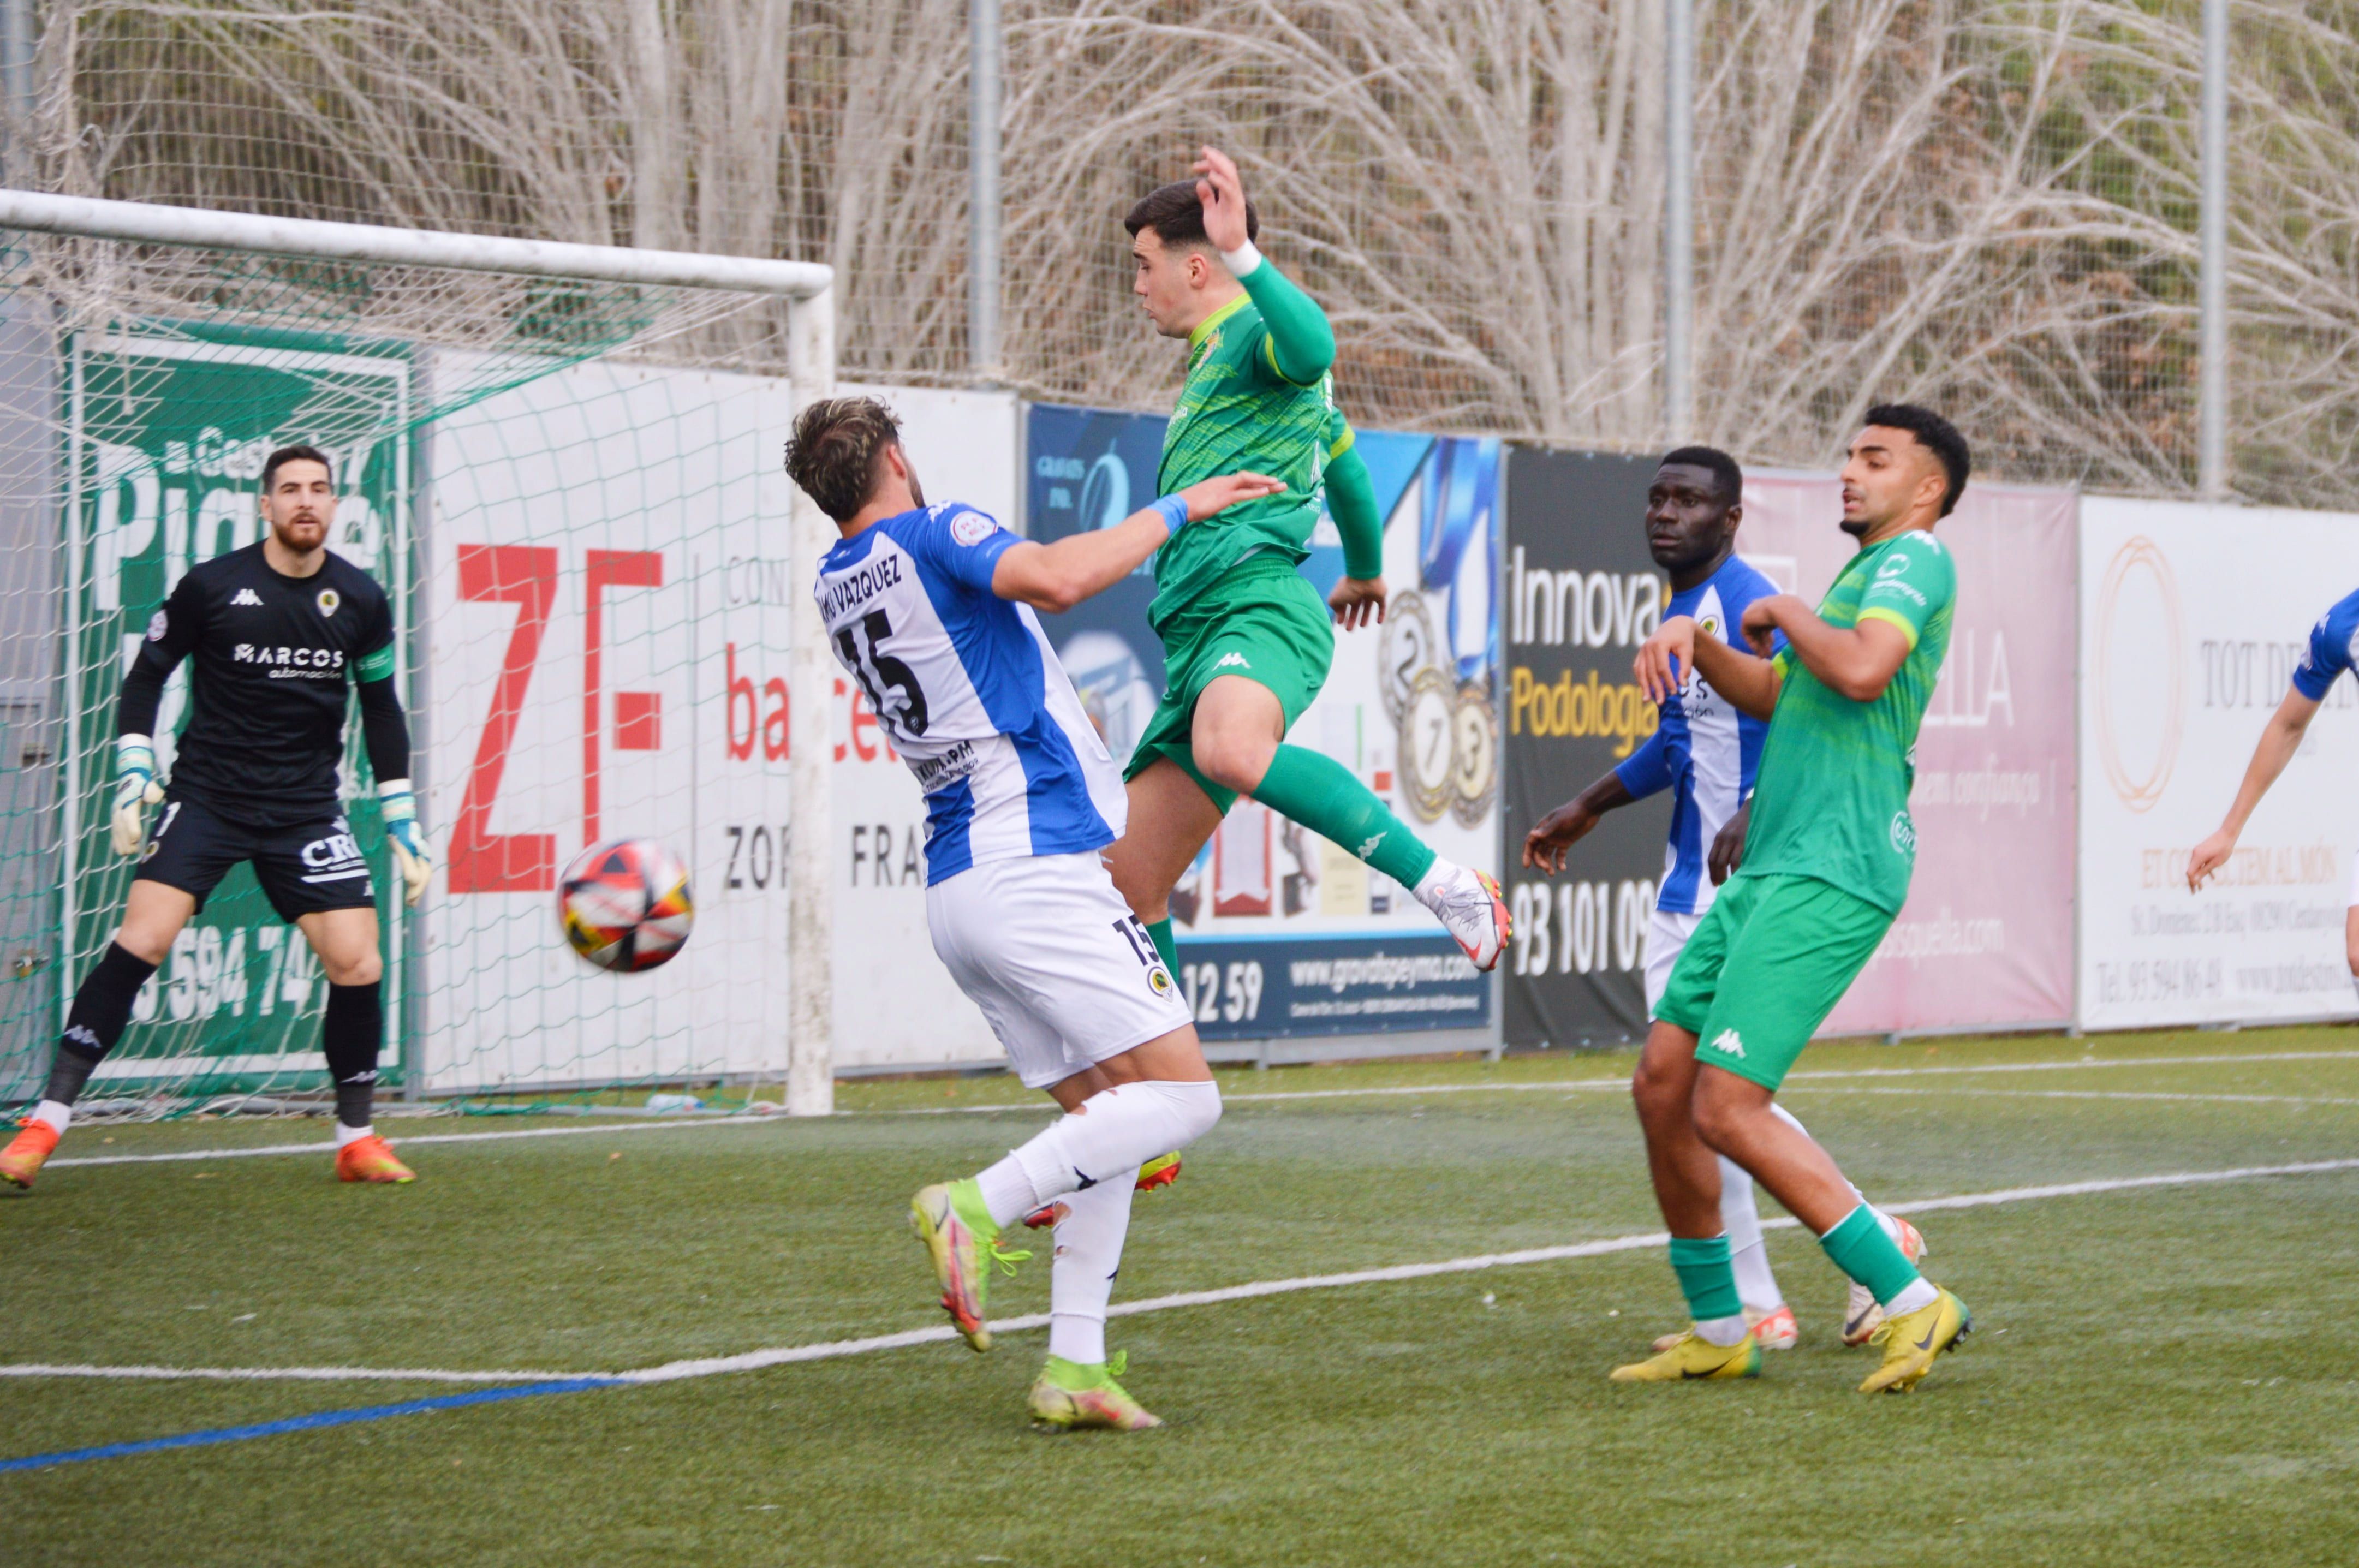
x: 399, y: 804
x: 136, y: 789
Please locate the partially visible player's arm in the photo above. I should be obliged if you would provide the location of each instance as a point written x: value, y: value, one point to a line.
x: 385, y: 730
x: 1645, y: 771
x: 1749, y: 684
x: 1301, y: 345
x: 1915, y: 581
x: 1856, y: 662
x: 1359, y: 597
x: 1056, y: 577
x: 2280, y: 738
x: 170, y: 636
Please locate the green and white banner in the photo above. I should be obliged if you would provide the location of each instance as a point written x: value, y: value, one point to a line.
x: 166, y: 434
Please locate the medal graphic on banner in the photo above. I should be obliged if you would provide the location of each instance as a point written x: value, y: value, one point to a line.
x: 1436, y: 688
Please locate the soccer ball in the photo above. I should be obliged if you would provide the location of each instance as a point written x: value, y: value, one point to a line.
x: 625, y: 905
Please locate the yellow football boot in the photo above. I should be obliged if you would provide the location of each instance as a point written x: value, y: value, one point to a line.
x: 1692, y: 1355
x: 1912, y: 1340
x: 1069, y: 1396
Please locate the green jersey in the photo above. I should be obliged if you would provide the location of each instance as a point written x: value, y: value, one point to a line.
x: 1239, y: 410
x: 1831, y: 796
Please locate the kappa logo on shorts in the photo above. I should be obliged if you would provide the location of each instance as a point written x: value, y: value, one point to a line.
x: 246, y: 596
x: 1237, y: 659
x: 1728, y: 1044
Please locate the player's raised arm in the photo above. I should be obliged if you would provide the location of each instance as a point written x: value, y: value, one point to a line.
x: 1056, y: 577
x: 1663, y: 658
x: 1358, y: 598
x: 1302, y: 343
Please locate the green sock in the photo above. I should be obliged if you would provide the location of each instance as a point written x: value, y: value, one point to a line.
x: 1316, y: 790
x: 1861, y: 1249
x: 1707, y: 1276
x: 1167, y: 946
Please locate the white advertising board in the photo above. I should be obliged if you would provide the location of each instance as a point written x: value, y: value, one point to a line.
x: 605, y: 592
x: 2189, y: 629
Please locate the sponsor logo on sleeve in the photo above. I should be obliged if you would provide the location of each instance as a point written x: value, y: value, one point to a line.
x: 972, y: 527
x: 156, y: 625
x: 1903, y: 832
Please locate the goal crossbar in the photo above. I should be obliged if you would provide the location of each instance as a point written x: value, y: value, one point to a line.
x: 147, y: 222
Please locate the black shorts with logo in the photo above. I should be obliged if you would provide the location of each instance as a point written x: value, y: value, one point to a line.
x: 303, y: 869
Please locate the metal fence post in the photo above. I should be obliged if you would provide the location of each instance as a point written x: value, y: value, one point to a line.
x: 2211, y: 396
x: 1678, y: 221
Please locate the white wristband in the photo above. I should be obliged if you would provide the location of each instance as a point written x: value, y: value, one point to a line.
x: 1242, y: 260
x: 389, y: 787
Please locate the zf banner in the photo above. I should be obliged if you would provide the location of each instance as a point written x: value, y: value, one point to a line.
x: 167, y: 439
x: 1986, y: 935
x: 2186, y: 649
x: 1281, y: 933
x: 1582, y: 594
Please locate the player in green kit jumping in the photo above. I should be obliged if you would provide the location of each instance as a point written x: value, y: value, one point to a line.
x: 1247, y: 641
x: 1827, y: 860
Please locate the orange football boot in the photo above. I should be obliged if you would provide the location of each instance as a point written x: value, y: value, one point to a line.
x: 371, y: 1159
x: 21, y: 1161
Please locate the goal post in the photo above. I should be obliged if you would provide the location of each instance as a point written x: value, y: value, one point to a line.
x: 601, y: 425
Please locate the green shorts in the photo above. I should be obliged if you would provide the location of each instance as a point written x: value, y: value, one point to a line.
x: 1262, y: 620
x: 1767, y: 965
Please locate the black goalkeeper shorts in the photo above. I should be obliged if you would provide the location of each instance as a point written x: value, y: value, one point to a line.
x: 303, y: 869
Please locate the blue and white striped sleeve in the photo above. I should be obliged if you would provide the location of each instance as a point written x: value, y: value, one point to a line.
x: 2331, y: 649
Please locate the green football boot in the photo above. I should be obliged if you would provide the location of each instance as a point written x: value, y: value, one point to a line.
x: 1069, y: 1397
x: 963, y: 1242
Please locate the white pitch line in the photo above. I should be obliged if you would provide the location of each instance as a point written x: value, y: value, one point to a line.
x: 2102, y: 1095
x: 1570, y: 1085
x: 830, y: 1350
x: 326, y: 1146
x: 278, y: 1374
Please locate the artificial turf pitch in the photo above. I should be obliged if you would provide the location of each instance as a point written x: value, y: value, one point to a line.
x: 2161, y: 1376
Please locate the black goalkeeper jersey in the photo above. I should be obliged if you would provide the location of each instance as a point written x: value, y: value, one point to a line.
x: 275, y: 658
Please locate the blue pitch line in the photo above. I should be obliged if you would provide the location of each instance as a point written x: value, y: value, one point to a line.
x: 307, y: 1423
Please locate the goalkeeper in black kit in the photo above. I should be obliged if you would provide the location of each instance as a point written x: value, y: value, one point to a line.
x: 279, y: 630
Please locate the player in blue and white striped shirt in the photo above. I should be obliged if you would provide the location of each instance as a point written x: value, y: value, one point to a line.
x: 930, y: 609
x: 1704, y: 752
x: 2333, y: 648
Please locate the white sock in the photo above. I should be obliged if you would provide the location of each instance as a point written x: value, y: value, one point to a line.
x: 1722, y: 1331
x: 1748, y: 1253
x: 1114, y: 1131
x: 1915, y: 1298
x: 1089, y: 1253
x: 346, y: 1135
x: 56, y: 1113
x: 1437, y: 877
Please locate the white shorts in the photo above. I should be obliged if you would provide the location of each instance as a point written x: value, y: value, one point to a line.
x: 1052, y: 956
x: 1667, y: 937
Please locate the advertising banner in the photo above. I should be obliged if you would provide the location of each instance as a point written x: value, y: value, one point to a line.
x: 2187, y: 642
x: 1582, y: 594
x: 1986, y: 936
x: 167, y: 438
x: 610, y: 584
x: 1280, y: 932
